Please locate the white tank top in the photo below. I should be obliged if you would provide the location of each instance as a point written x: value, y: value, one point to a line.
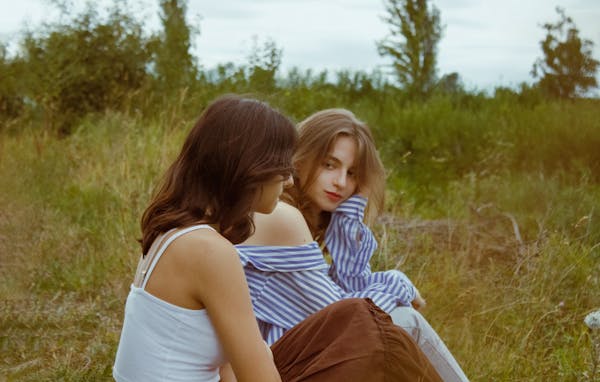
x: 165, y: 342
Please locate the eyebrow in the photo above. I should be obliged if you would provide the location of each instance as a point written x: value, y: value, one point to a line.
x: 337, y: 161
x: 331, y: 157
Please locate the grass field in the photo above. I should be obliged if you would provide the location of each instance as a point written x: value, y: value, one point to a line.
x: 508, y: 257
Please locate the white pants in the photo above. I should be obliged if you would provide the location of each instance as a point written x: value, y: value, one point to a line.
x: 430, y: 343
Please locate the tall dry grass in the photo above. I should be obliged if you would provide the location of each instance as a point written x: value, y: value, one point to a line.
x: 509, y: 306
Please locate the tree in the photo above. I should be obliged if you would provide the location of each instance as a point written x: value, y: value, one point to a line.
x: 175, y: 66
x: 264, y: 62
x: 568, y: 69
x: 450, y: 84
x: 11, y: 99
x: 415, y: 31
x: 83, y: 65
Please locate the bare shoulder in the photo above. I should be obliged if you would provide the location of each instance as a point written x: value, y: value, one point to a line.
x: 284, y: 226
x: 201, y: 249
x: 206, y: 267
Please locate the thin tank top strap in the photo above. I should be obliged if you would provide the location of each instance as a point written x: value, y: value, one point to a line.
x: 165, y: 244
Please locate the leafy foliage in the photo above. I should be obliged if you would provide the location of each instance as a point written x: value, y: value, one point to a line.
x: 568, y: 69
x: 415, y: 31
x: 11, y: 99
x: 175, y: 67
x: 450, y: 84
x: 264, y: 62
x: 86, y: 65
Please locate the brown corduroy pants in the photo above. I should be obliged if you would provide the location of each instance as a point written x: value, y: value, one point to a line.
x: 350, y: 340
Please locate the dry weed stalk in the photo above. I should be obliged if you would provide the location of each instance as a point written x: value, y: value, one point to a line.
x: 488, y: 232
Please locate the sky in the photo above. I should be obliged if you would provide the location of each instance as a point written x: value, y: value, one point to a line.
x: 488, y: 42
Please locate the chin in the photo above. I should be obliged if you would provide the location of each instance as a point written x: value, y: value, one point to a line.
x: 329, y: 207
x: 270, y: 210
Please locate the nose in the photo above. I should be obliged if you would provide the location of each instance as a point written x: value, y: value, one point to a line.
x: 340, y: 179
x: 289, y: 182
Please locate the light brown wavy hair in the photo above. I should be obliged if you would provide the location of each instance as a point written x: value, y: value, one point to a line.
x: 236, y: 145
x: 317, y: 135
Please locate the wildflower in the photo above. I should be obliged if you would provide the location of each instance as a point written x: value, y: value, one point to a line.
x: 592, y: 320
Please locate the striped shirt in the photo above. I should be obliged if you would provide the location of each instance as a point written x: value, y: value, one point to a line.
x: 289, y: 283
x: 351, y: 245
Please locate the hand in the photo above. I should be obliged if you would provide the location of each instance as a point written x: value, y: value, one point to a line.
x: 419, y: 302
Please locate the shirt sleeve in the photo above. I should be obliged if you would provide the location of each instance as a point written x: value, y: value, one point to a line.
x: 351, y: 245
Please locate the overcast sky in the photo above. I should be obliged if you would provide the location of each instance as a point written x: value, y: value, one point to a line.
x: 488, y: 42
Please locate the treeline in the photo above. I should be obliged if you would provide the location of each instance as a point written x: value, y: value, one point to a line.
x: 90, y: 64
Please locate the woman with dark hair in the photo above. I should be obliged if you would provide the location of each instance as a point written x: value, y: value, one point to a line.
x: 188, y: 311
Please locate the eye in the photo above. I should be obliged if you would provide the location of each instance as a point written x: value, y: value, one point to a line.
x: 329, y: 165
x: 352, y: 173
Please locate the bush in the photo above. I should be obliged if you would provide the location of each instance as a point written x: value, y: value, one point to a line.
x: 85, y: 65
x: 11, y: 102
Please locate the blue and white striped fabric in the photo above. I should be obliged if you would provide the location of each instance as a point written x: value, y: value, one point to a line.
x: 289, y: 283
x: 351, y: 245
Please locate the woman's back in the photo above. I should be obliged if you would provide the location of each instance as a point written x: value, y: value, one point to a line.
x: 235, y: 160
x: 161, y: 341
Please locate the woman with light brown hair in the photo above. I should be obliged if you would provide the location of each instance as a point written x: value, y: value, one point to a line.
x: 338, y: 179
x: 318, y: 134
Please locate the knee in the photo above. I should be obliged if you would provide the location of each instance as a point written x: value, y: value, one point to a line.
x: 405, y: 315
x: 412, y: 321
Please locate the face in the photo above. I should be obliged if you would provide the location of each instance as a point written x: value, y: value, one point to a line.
x: 270, y: 192
x: 336, y: 177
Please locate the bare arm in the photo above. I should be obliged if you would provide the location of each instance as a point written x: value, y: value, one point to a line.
x: 220, y: 285
x: 226, y: 373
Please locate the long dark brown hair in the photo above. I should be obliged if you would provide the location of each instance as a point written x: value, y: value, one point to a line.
x: 236, y: 145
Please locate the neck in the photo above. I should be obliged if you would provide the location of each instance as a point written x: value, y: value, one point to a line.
x: 312, y: 215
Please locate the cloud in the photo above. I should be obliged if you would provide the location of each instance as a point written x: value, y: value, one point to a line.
x: 484, y: 41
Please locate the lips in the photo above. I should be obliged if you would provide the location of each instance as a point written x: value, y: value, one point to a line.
x: 334, y: 197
